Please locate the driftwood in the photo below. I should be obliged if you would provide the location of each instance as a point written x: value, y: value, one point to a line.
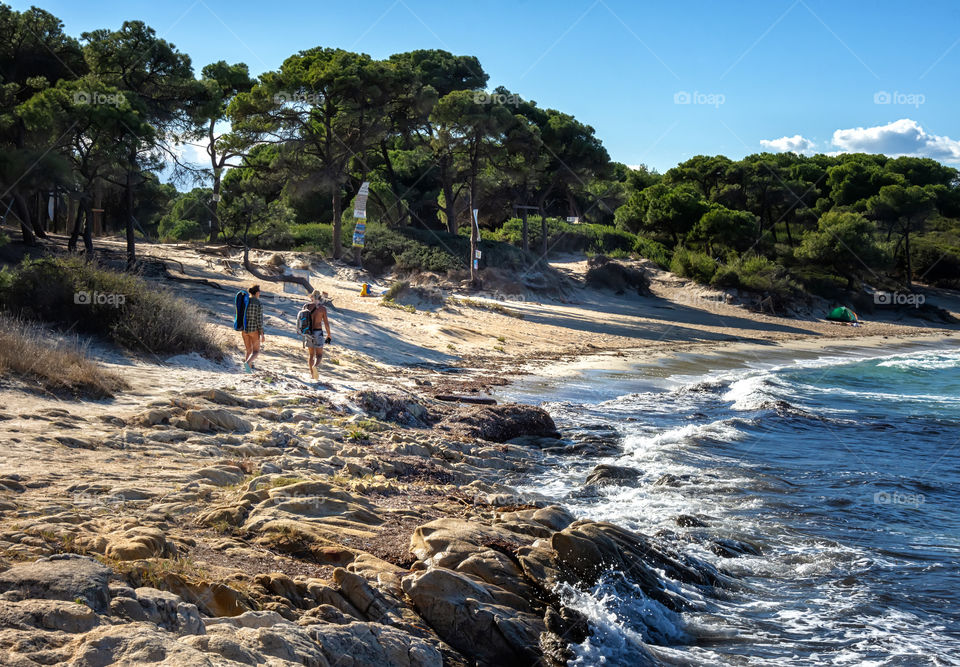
x: 282, y: 278
x: 219, y: 250
x: 475, y: 400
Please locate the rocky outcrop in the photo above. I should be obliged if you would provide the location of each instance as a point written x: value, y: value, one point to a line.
x: 500, y: 423
x: 68, y: 577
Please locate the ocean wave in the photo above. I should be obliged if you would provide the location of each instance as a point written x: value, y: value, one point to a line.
x: 925, y: 361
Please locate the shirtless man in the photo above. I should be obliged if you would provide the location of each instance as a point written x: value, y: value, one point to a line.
x: 316, y: 339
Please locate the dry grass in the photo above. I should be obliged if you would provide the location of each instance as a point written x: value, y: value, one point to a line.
x: 57, y: 366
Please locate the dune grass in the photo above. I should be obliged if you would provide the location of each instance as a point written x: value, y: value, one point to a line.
x: 54, y: 365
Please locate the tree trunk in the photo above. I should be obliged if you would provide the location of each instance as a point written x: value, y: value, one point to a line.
x: 88, y: 229
x: 214, y: 218
x: 448, y: 200
x: 283, y: 278
x: 906, y: 249
x: 23, y: 212
x: 526, y: 231
x: 337, y: 224
x: 39, y: 223
x: 75, y: 233
x: 128, y: 201
x: 474, y: 242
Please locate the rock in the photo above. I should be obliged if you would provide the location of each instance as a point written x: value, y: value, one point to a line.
x: 373, y: 645
x: 60, y: 615
x: 393, y: 406
x: 283, y: 641
x: 63, y: 577
x: 153, y: 417
x: 611, y: 475
x: 217, y: 396
x: 250, y: 619
x: 690, y: 521
x: 161, y: 608
x: 220, y: 475
x: 216, y: 420
x: 729, y: 548
x: 465, y: 615
x: 139, y: 543
x: 136, y: 644
x: 500, y: 423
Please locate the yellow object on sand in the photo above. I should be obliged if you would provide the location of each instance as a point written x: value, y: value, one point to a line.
x: 365, y: 290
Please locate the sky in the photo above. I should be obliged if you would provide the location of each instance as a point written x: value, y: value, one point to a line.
x: 660, y: 82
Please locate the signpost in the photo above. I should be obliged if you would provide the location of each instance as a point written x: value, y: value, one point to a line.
x: 360, y: 213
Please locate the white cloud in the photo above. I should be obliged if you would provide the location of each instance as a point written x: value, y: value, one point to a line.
x: 794, y: 144
x: 901, y: 137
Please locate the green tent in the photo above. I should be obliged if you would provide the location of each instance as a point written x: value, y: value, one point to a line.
x: 842, y: 314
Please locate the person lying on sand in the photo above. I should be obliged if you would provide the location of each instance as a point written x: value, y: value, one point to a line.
x: 253, y: 329
x: 314, y: 339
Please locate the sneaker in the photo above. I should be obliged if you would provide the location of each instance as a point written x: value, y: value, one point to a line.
x: 247, y: 368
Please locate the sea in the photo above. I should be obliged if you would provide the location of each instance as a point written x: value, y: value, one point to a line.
x: 824, y: 487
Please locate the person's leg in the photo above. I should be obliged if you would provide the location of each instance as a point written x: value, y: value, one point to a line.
x: 254, y: 348
x: 247, y: 347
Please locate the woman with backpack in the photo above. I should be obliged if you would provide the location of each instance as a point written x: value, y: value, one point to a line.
x: 252, y: 328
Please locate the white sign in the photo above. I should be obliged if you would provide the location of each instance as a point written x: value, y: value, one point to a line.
x: 293, y: 288
x: 575, y: 220
x: 360, y: 203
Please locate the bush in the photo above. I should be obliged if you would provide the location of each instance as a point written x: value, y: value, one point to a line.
x: 74, y: 294
x: 312, y: 236
x: 54, y: 366
x: 756, y: 273
x: 652, y: 250
x: 694, y: 265
x: 604, y: 273
x: 566, y: 237
x: 180, y: 230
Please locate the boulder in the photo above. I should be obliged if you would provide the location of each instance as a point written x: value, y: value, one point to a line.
x: 500, y: 423
x: 161, y: 608
x: 611, y: 475
x: 393, y: 406
x: 216, y: 420
x: 136, y: 644
x: 139, y: 543
x: 62, y: 577
x: 465, y: 615
x: 59, y: 615
x: 373, y: 645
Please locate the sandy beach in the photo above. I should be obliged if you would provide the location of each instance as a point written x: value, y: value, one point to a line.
x: 273, y: 511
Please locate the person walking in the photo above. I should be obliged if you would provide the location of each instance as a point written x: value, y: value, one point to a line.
x: 252, y: 329
x: 315, y: 338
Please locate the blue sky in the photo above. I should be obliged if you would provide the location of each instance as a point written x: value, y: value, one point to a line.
x: 660, y: 82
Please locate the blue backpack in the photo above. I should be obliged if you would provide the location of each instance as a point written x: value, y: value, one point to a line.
x: 240, y: 320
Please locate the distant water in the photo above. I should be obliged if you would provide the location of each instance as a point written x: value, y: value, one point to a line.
x: 844, y: 472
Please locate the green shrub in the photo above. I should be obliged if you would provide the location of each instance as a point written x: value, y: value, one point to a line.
x: 652, y: 250
x: 692, y: 264
x: 77, y: 295
x: 566, y: 237
x: 180, y: 230
x: 312, y: 236
x: 755, y: 273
